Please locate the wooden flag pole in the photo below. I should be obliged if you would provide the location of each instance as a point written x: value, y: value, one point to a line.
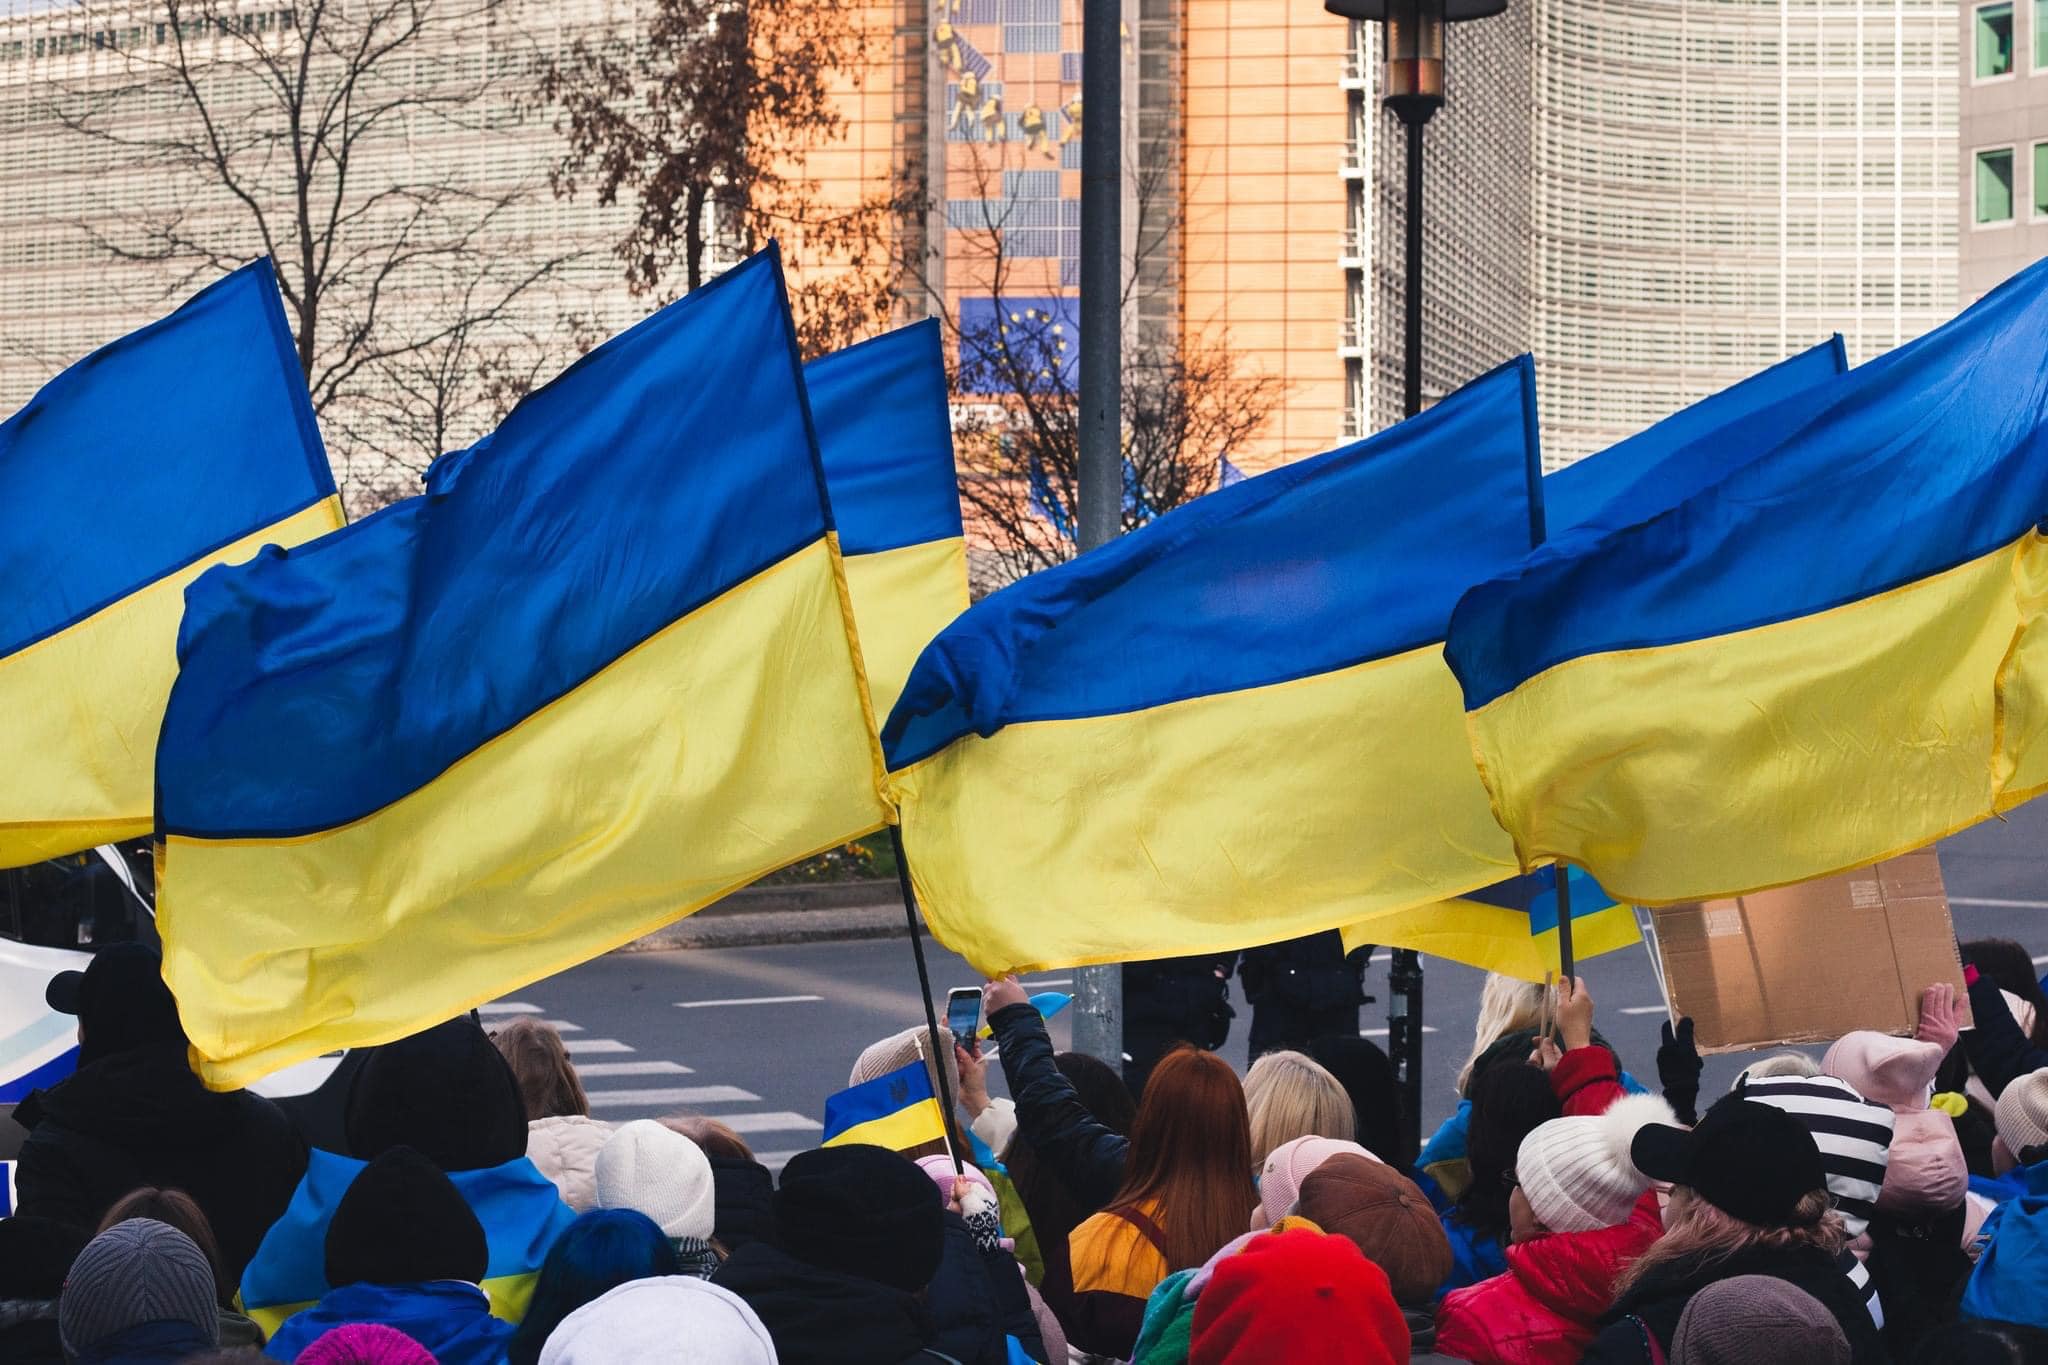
x: 924, y: 989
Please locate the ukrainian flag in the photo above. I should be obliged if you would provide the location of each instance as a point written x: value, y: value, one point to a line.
x: 897, y: 1111
x: 599, y: 675
x: 186, y: 444
x: 1829, y: 656
x: 521, y: 1211
x: 886, y: 439
x: 1511, y: 927
x: 1232, y: 725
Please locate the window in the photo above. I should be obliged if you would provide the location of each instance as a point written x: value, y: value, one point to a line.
x: 1994, y: 40
x: 2041, y: 180
x: 2041, y: 35
x: 1994, y: 185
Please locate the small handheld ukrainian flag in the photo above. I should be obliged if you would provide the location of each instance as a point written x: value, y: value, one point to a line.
x: 1835, y: 653
x: 600, y: 674
x: 186, y: 444
x: 886, y: 441
x: 1231, y: 726
x: 897, y: 1111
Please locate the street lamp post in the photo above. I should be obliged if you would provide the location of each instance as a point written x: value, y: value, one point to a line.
x: 1412, y: 87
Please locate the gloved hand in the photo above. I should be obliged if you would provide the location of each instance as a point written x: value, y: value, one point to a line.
x: 1678, y: 1071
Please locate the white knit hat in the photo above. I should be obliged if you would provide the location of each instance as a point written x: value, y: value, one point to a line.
x: 2023, y: 1112
x: 659, y: 1172
x: 1576, y: 1172
x: 669, y: 1318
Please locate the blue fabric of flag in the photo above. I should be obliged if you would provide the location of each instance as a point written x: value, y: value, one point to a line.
x: 1664, y: 464
x: 1931, y: 455
x: 880, y: 409
x: 1535, y: 895
x: 154, y: 451
x: 615, y: 477
x: 1264, y: 582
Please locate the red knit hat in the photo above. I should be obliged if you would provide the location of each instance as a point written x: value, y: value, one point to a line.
x: 1299, y: 1295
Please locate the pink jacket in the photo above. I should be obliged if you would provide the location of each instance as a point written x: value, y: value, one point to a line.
x: 1926, y: 1172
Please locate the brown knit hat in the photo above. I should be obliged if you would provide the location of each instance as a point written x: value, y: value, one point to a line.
x: 1757, y: 1317
x: 1389, y: 1218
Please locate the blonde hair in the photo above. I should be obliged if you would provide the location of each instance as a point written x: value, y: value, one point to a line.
x: 1700, y: 1235
x: 1778, y: 1064
x: 1506, y: 1006
x: 548, y: 1084
x: 1289, y: 1095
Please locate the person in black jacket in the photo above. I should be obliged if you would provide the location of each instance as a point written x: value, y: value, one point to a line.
x: 1301, y: 989
x: 1749, y: 1198
x: 869, y: 1267
x: 1082, y: 1152
x: 134, y: 1114
x: 1170, y: 1001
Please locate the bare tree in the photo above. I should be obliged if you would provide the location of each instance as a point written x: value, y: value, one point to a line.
x: 1187, y: 405
x: 707, y: 122
x: 342, y: 139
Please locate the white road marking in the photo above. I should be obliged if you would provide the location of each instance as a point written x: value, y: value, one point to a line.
x: 563, y: 1026
x: 748, y: 1000
x: 778, y: 1122
x: 685, y: 1094
x: 1049, y: 981
x: 774, y: 1161
x: 605, y: 1070
x: 1381, y: 1033
x: 1646, y: 1009
x: 508, y: 1007
x: 582, y: 1047
x: 1982, y: 903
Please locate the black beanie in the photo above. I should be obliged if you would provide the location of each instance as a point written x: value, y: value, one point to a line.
x: 446, y: 1092
x: 403, y: 1222
x: 863, y: 1211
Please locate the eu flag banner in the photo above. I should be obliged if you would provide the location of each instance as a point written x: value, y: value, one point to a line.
x: 1691, y: 449
x: 186, y: 444
x: 897, y: 1111
x: 1817, y: 662
x: 885, y: 436
x: 1231, y: 726
x: 598, y: 675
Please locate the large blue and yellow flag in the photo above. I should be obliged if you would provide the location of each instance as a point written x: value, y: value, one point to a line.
x: 897, y: 1111
x: 1511, y: 927
x: 598, y: 675
x: 1817, y: 662
x: 886, y: 438
x: 186, y: 444
x: 521, y: 1211
x: 1228, y: 727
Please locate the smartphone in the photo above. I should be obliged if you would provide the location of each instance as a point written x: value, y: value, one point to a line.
x: 963, y: 1014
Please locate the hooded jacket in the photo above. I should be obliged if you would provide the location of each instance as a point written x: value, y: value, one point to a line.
x: 564, y: 1149
x: 1656, y: 1302
x: 451, y: 1319
x: 1556, y: 1289
x: 140, y: 1117
x: 744, y: 1202
x: 1925, y: 1172
x: 822, y: 1317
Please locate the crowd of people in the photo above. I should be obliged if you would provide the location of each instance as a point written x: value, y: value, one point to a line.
x: 1885, y: 1202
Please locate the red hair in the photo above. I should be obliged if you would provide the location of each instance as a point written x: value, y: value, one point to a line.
x: 1191, y: 1157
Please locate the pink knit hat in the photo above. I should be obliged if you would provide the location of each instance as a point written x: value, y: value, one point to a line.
x: 1287, y: 1166
x: 1926, y: 1170
x: 366, y: 1343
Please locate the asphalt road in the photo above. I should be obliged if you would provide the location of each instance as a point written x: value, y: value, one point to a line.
x: 759, y: 1036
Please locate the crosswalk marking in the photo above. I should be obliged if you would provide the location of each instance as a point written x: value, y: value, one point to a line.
x: 563, y: 1026
x: 749, y: 1000
x: 581, y: 1047
x: 685, y: 1094
x: 605, y: 1070
x: 1646, y: 1009
x: 508, y: 1007
x: 770, y: 1123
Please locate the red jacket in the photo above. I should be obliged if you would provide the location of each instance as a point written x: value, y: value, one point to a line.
x: 1544, y: 1308
x: 1585, y: 1081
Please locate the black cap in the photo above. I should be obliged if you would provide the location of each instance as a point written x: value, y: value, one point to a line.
x: 864, y: 1211
x: 121, y: 1000
x: 1752, y: 1160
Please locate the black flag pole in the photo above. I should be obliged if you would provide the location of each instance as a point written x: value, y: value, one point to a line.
x: 1564, y: 920
x: 924, y: 990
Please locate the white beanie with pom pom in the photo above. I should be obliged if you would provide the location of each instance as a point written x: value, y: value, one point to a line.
x: 1576, y: 1172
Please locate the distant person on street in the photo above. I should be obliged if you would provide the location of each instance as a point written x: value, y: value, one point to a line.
x: 1172, y: 1001
x: 1300, y: 989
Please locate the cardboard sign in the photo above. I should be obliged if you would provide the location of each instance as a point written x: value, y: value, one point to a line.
x: 1809, y: 963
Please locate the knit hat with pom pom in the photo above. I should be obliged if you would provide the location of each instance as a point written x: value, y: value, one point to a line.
x: 1576, y: 1172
